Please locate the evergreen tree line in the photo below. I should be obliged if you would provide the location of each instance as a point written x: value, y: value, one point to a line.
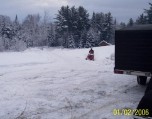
x: 144, y: 18
x: 72, y: 28
x: 76, y: 29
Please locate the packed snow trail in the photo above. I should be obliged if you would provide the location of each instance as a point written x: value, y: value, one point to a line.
x: 56, y: 83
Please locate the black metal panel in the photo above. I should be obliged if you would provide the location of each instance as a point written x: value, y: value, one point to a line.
x: 133, y: 50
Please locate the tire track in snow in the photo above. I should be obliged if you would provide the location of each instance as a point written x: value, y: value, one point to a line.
x: 103, y: 107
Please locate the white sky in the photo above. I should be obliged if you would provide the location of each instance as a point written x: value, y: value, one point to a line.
x: 121, y: 9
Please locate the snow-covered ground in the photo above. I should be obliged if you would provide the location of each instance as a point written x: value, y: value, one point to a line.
x: 56, y: 83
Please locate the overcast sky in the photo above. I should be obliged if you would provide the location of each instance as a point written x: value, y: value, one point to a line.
x: 122, y: 10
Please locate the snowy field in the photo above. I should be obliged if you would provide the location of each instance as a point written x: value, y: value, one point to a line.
x: 55, y: 83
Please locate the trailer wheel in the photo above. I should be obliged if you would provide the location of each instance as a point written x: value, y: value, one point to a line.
x: 141, y: 80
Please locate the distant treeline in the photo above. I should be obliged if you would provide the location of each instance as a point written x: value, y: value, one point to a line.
x: 73, y: 28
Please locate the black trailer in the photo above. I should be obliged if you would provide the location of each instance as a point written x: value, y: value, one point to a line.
x: 133, y: 52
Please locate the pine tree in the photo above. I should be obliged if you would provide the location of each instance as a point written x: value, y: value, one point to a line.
x: 149, y: 14
x: 109, y: 28
x: 15, y: 30
x: 131, y: 22
x: 83, y: 22
x: 115, y: 22
x: 141, y: 19
x: 99, y: 25
x: 100, y: 18
x: 83, y: 39
x: 71, y: 43
x: 63, y: 20
x: 63, y: 24
x: 72, y: 21
x: 93, y: 21
x: 90, y: 42
x: 94, y: 29
x: 80, y: 45
x: 6, y: 32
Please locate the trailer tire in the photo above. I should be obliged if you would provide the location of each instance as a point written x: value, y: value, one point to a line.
x: 141, y: 80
